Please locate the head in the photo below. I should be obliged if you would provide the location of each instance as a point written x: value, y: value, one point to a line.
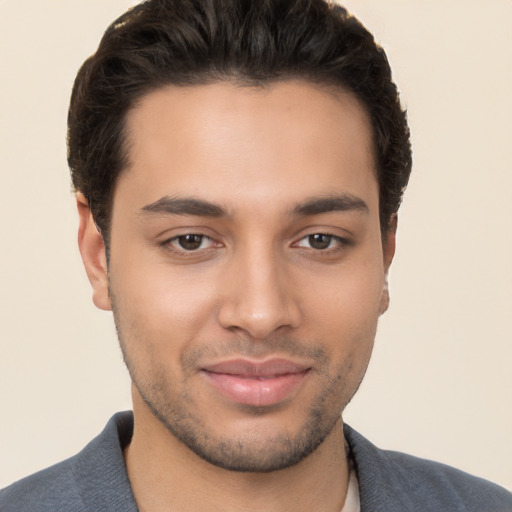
x: 240, y: 165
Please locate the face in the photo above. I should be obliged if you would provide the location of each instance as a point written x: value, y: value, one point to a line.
x: 247, y: 269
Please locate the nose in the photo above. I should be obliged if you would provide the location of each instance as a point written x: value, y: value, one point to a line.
x: 258, y: 296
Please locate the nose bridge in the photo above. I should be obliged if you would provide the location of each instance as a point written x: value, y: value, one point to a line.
x: 259, y: 297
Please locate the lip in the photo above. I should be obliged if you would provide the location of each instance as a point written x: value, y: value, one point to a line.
x: 256, y: 383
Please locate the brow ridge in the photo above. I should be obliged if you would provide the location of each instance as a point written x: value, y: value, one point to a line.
x: 330, y: 203
x: 314, y: 206
x: 184, y: 206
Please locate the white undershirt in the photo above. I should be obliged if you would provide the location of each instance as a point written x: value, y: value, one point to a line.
x: 352, y: 503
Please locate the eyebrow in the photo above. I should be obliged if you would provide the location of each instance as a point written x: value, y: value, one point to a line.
x: 314, y: 206
x: 330, y: 203
x: 184, y: 206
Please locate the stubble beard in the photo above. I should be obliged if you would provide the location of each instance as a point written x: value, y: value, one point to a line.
x: 244, y: 454
x: 247, y: 453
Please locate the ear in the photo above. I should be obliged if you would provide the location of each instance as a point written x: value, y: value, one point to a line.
x: 92, y: 249
x: 388, y: 251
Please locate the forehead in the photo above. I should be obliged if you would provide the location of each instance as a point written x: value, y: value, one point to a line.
x: 222, y: 140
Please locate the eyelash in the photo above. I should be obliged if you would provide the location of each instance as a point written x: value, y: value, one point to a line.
x: 169, y: 243
x: 341, y: 243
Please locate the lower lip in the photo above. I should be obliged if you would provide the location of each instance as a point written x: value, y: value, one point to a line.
x: 254, y: 391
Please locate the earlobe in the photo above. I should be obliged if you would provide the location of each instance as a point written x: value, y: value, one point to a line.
x: 384, y: 298
x: 92, y: 249
x: 388, y: 250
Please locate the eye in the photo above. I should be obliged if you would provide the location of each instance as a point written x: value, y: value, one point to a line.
x: 322, y: 242
x: 190, y: 242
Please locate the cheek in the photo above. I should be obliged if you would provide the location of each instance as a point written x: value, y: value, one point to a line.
x: 160, y: 306
x: 345, y: 319
x: 349, y: 301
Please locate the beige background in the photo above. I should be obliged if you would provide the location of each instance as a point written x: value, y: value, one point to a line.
x: 440, y: 381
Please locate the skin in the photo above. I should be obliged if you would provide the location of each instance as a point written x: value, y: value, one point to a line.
x: 257, y: 285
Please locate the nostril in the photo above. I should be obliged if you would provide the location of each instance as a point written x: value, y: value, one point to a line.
x: 258, y: 322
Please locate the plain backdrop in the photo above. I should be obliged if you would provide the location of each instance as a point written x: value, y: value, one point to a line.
x: 439, y: 384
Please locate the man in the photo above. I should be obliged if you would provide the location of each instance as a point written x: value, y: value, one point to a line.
x: 238, y: 168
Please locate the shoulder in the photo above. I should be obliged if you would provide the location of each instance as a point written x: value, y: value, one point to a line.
x: 52, y: 489
x: 438, y: 483
x: 407, y: 483
x: 94, y: 479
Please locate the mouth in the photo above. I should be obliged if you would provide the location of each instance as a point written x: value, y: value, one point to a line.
x: 256, y: 383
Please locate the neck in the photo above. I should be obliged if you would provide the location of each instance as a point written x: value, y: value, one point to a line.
x: 164, y: 473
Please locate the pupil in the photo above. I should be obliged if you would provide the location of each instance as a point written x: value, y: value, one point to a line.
x: 319, y: 241
x: 190, y: 242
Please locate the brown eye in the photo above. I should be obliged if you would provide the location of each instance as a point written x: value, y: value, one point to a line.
x: 319, y: 241
x: 190, y: 242
x: 325, y: 242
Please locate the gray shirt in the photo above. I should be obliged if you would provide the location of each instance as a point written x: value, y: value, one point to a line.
x: 95, y: 480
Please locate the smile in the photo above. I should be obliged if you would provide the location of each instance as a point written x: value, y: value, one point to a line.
x: 256, y: 383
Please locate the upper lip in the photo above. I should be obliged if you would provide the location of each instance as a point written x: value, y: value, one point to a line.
x: 247, y: 368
